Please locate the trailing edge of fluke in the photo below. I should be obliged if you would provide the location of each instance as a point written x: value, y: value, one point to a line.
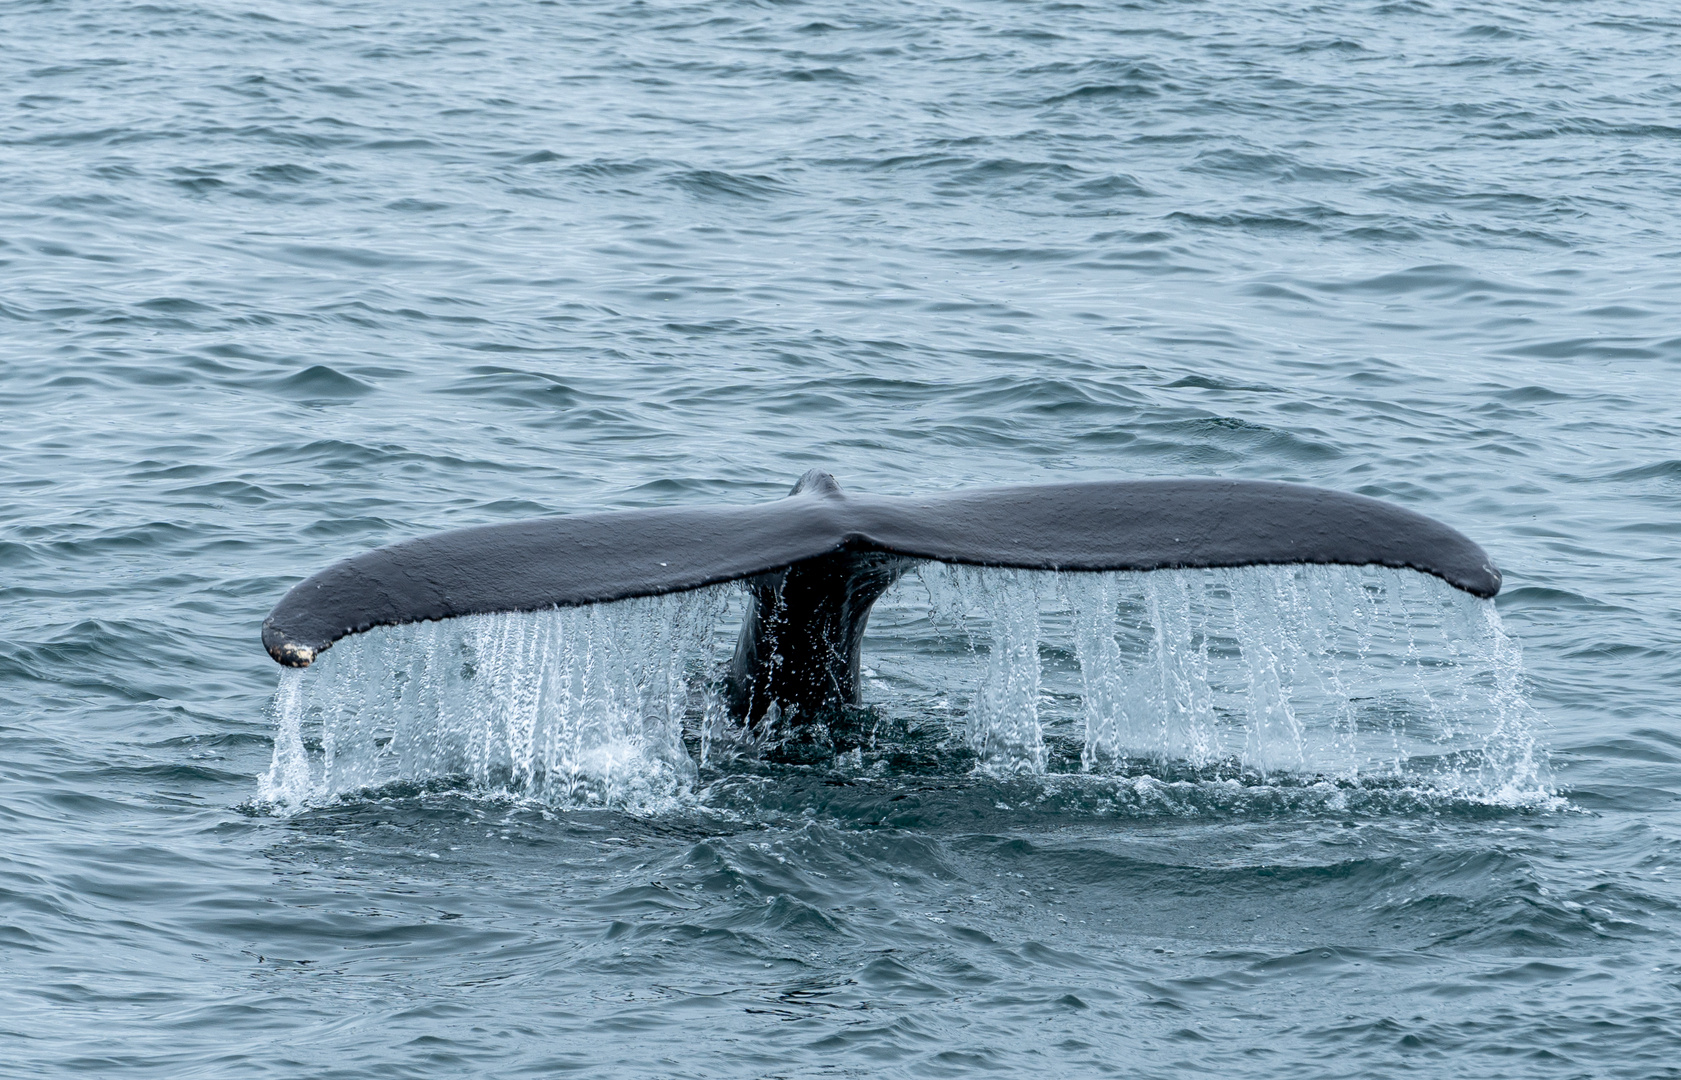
x: 815, y: 561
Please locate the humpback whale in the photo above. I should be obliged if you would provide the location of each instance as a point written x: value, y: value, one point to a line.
x: 814, y: 562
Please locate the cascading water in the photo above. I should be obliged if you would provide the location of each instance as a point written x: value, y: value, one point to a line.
x: 1287, y: 672
x: 1003, y: 725
x: 575, y: 706
x: 1273, y: 675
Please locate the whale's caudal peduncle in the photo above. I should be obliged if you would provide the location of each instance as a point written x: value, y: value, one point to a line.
x: 814, y: 562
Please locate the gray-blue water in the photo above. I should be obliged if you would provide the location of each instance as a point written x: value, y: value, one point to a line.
x: 283, y: 281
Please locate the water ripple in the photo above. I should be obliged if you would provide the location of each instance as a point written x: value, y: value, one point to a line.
x: 283, y: 282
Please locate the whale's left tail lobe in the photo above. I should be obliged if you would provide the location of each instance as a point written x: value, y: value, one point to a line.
x: 816, y: 560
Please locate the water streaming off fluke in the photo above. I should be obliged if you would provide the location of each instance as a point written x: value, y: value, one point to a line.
x: 1265, y: 675
x: 1287, y: 672
x: 576, y: 706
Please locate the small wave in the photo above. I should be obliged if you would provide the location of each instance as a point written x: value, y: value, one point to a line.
x: 288, y: 173
x: 717, y: 184
x: 1256, y: 223
x: 1333, y: 44
x: 995, y: 170
x: 1660, y: 470
x: 320, y: 382
x: 1242, y: 438
x: 1491, y: 32
x: 824, y: 74
x: 1230, y: 161
x: 1439, y: 280
x: 1113, y: 186
x: 515, y: 388
x: 1104, y: 91
x: 1594, y: 348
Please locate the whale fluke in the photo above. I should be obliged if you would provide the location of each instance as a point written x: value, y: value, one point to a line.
x: 815, y: 561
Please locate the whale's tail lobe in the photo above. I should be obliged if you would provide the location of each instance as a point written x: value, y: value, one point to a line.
x: 815, y: 561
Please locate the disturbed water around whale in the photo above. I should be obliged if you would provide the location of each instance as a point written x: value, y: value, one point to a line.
x: 284, y: 282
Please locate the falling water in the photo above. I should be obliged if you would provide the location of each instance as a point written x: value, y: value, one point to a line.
x: 1003, y: 727
x: 1267, y: 672
x: 575, y: 706
x: 1290, y: 674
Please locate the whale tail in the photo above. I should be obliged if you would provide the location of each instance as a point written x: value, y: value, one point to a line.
x: 803, y: 630
x: 814, y: 562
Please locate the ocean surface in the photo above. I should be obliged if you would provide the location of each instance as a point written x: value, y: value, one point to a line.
x: 284, y: 281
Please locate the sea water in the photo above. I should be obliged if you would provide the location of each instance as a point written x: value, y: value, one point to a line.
x: 281, y: 282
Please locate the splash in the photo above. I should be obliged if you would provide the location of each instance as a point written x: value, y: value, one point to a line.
x: 1286, y: 677
x: 575, y: 706
x: 1294, y: 673
x: 1004, y: 728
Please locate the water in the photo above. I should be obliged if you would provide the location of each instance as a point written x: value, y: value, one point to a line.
x: 282, y: 282
x: 580, y: 707
x: 1329, y: 675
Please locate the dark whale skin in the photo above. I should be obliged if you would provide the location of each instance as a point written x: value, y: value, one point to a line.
x: 818, y: 558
